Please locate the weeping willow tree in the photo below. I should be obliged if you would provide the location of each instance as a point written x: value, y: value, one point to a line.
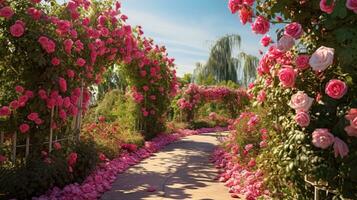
x: 224, y: 66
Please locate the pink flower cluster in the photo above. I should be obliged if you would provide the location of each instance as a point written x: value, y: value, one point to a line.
x: 97, y: 43
x: 241, y: 179
x: 195, y: 94
x: 329, y: 8
x: 101, y: 179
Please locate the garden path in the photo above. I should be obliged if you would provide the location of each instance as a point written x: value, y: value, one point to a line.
x: 181, y: 170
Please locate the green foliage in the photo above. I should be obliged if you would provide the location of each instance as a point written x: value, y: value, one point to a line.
x: 186, y: 79
x: 222, y: 65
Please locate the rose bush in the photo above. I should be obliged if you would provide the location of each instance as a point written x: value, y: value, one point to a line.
x: 310, y: 92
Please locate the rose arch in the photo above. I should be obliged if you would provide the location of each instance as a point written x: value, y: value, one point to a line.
x: 53, y: 54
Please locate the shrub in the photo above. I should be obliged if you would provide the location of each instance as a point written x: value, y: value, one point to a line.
x: 42, y: 171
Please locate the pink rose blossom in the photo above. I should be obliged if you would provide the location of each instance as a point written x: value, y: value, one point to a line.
x: 336, y: 89
x: 301, y: 102
x: 263, y: 144
x: 327, y: 8
x: 68, y: 44
x: 322, y: 58
x: 19, y: 89
x: 322, y: 138
x: 340, y: 148
x: 33, y: 116
x: 245, y: 15
x: 81, y: 62
x: 302, y: 119
x: 57, y: 146
x: 5, y: 111
x: 266, y: 40
x: 18, y: 29
x: 261, y: 96
x: 352, y: 5
x: 302, y: 62
x: 293, y: 30
x: 62, y: 84
x: 285, y: 43
x: 234, y: 5
x: 24, y: 128
x: 70, y: 73
x: 34, y: 13
x: 6, y: 12
x: 352, y: 117
x: 72, y: 159
x: 287, y: 76
x: 55, y: 61
x: 260, y: 25
x: 48, y: 45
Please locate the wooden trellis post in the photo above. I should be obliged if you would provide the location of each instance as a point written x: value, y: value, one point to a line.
x: 51, y: 130
x: 1, y: 139
x: 14, y: 138
x: 27, y: 150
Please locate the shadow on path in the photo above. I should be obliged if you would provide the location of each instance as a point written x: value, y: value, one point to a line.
x: 179, y: 171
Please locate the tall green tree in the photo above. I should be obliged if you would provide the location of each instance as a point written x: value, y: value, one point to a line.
x: 223, y: 65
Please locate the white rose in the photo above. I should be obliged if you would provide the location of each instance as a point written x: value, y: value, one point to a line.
x: 322, y: 58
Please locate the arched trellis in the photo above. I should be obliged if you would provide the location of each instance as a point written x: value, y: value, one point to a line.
x: 193, y: 96
x: 60, y: 51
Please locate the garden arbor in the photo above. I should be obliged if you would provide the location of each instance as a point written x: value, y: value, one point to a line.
x: 52, y: 54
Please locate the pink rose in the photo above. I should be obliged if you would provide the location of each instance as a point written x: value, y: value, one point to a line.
x: 101, y: 118
x: 260, y: 25
x: 322, y: 138
x: 24, y: 128
x: 70, y: 73
x: 352, y: 117
x: 261, y: 96
x: 19, y: 89
x: 62, y: 84
x: 5, y: 111
x: 301, y: 102
x: 263, y: 144
x: 287, y: 76
x: 327, y: 8
x: 340, y: 148
x: 48, y: 45
x: 81, y: 62
x: 18, y: 29
x: 34, y: 13
x: 285, y: 43
x: 234, y: 5
x: 352, y: 5
x: 6, y: 12
x: 303, y: 119
x: 245, y: 15
x: 336, y: 89
x: 302, y: 62
x: 266, y: 40
x: 322, y: 58
x: 68, y: 44
x: 72, y: 159
x: 294, y: 30
x: 33, y: 116
x: 55, y: 61
x: 57, y: 145
x: 248, y: 147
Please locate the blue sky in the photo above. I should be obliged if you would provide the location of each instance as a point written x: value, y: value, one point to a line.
x: 188, y: 28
